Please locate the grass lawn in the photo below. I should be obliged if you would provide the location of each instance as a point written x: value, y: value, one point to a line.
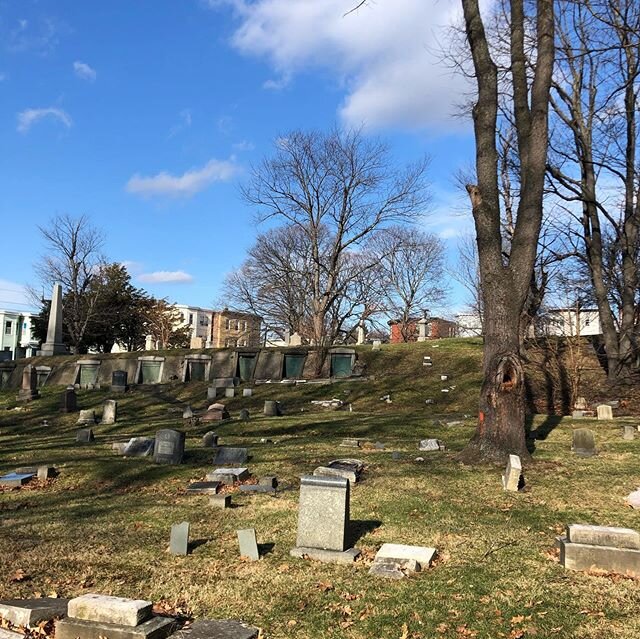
x: 103, y: 524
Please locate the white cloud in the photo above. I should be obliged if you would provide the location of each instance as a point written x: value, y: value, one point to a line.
x: 385, y: 54
x: 84, y: 71
x: 14, y: 296
x: 184, y: 123
x: 185, y: 185
x: 160, y: 277
x: 244, y: 145
x: 28, y: 117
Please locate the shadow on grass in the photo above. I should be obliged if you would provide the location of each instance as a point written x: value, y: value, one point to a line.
x: 360, y: 527
x: 543, y: 430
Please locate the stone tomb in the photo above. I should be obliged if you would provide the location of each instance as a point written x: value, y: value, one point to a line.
x: 30, y: 612
x: 95, y: 616
x: 248, y: 544
x: 69, y: 401
x: 512, y: 480
x: 605, y: 412
x: 179, y: 541
x: 217, y: 629
x: 227, y: 455
x: 584, y: 443
x: 395, y: 561
x: 586, y: 548
x: 109, y: 411
x: 169, y: 446
x: 323, y: 520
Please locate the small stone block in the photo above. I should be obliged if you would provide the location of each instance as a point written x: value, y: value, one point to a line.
x: 583, y: 557
x: 30, y: 612
x: 605, y: 412
x: 350, y: 443
x: 217, y: 629
x: 106, y: 609
x: 395, y: 455
x: 430, y: 444
x: 326, y: 556
x: 248, y: 543
x: 229, y: 392
x: 13, y: 480
x: 603, y: 536
x: 155, y: 628
x: 423, y: 555
x: 220, y: 501
x: 179, y: 544
x: 85, y: 436
x: 247, y: 392
x: 512, y: 479
x: 268, y: 480
x: 203, y: 487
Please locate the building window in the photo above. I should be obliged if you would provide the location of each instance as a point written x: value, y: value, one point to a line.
x: 227, y: 324
x: 7, y: 327
x: 190, y: 319
x: 237, y: 325
x: 244, y: 326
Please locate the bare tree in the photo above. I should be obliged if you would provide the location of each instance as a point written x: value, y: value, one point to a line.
x: 411, y: 274
x: 337, y: 188
x: 73, y: 257
x: 594, y: 162
x: 506, y: 280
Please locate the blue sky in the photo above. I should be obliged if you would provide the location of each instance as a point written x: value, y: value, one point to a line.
x: 146, y: 115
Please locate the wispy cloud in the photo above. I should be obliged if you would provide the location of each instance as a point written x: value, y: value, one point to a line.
x: 189, y: 183
x: 84, y: 71
x: 28, y: 117
x: 161, y: 277
x: 244, y: 145
x: 184, y: 123
x: 40, y: 36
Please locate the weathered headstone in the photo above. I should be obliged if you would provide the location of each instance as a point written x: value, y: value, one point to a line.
x: 376, y: 345
x: 577, y: 414
x: 228, y: 475
x: 350, y: 469
x: 323, y: 520
x: 629, y: 432
x: 581, y: 403
x: 210, y: 440
x: 187, y: 413
x: 605, y: 412
x: 69, y: 403
x: 350, y: 442
x: 248, y: 544
x: 119, y: 381
x: 107, y: 609
x: 212, y: 392
x: 85, y: 436
x: 217, y: 629
x: 230, y: 392
x: 14, y: 480
x: 110, y: 411
x: 396, y: 560
x: 179, y: 543
x: 430, y: 444
x: 272, y: 408
x: 53, y: 345
x: 244, y: 415
x: 203, y: 487
x: 87, y: 417
x: 169, y: 446
x: 247, y: 392
x: 220, y: 501
x: 633, y: 499
x: 29, y: 388
x: 267, y: 484
x: 512, y: 478
x: 139, y: 447
x: 225, y: 455
x: 584, y: 443
x: 30, y: 612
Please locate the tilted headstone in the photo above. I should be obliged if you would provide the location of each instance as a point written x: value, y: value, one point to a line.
x: 87, y: 417
x: 248, y: 544
x: 512, y: 478
x: 605, y: 412
x: 169, y: 447
x: 187, y: 413
x: 203, y: 487
x: 350, y: 442
x: 397, y: 560
x: 350, y: 469
x: 139, y: 447
x: 228, y: 476
x: 85, y: 436
x: 69, y: 403
x: 584, y: 443
x: 179, y: 543
x: 119, y: 381
x: 272, y: 408
x: 110, y: 411
x: 13, y: 480
x: 210, y: 440
x: 212, y: 392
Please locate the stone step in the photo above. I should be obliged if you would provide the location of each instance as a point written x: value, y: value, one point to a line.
x: 115, y: 610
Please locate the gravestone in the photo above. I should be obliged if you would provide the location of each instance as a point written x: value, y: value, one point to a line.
x: 69, y: 403
x: 633, y: 499
x: 87, y: 417
x: 605, y: 412
x: 210, y: 440
x: 396, y: 455
x: 512, y: 479
x: 43, y: 472
x: 215, y: 413
x: 212, y: 392
x: 30, y: 612
x: 109, y: 411
x: 53, y: 345
x: 267, y: 484
x: 376, y: 345
x: 272, y: 408
x: 139, y: 447
x: 179, y: 543
x: 187, y: 413
x: 220, y: 501
x: 29, y: 389
x: 629, y: 432
x: 430, y: 444
x: 228, y: 476
x: 581, y: 403
x: 227, y: 455
x: 577, y: 414
x: 15, y: 480
x: 244, y: 415
x: 350, y: 469
x: 323, y: 520
x: 107, y: 609
x: 395, y: 561
x: 230, y: 392
x: 203, y: 487
x: 217, y: 629
x: 584, y: 443
x: 248, y: 544
x: 119, y: 381
x: 350, y: 443
x: 85, y: 436
x: 247, y: 392
x: 169, y: 446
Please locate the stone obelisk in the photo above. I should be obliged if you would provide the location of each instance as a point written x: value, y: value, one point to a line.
x: 54, y: 345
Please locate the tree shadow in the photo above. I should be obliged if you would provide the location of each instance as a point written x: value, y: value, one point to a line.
x: 542, y: 431
x: 360, y: 527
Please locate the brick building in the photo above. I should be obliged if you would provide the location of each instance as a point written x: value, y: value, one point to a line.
x: 435, y: 328
x: 230, y: 329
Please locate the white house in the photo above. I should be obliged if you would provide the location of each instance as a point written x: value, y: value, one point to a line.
x: 200, y: 321
x: 468, y: 325
x: 16, y: 335
x: 568, y: 322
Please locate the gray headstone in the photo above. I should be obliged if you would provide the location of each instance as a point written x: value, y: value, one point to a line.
x: 323, y: 513
x: 228, y: 475
x: 12, y: 480
x: 110, y: 411
x: 603, y: 536
x: 179, y: 544
x: 203, y: 487
x: 217, y: 629
x: 248, y: 544
x: 107, y: 609
x: 395, y: 455
x: 247, y: 392
x: 169, y: 447
x: 272, y: 408
x: 69, y: 403
x: 220, y: 501
x: 577, y: 414
x: 85, y: 436
x: 629, y: 432
x: 350, y: 443
x: 87, y: 417
x: 53, y: 344
x: 244, y: 415
x: 226, y: 455
x: 210, y: 440
x: 154, y: 628
x: 212, y: 392
x: 230, y: 392
x: 139, y: 447
x: 30, y: 612
x: 187, y: 413
x: 224, y: 382
x: 511, y: 480
x: 119, y: 381
x: 584, y: 443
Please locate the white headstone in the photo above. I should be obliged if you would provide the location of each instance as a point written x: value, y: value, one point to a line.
x: 605, y: 412
x: 511, y: 478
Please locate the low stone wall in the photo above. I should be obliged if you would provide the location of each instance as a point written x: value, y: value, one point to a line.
x: 162, y: 367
